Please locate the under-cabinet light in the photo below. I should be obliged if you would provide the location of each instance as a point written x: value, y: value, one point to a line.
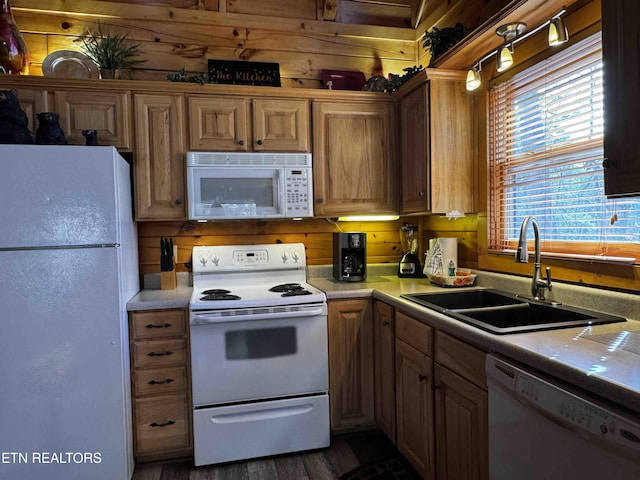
x: 369, y: 218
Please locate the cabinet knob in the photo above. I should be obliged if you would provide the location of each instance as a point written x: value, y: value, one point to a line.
x: 178, y: 201
x: 421, y: 194
x: 259, y: 142
x: 320, y: 200
x: 606, y: 163
x: 422, y: 377
x: 240, y: 142
x: 385, y: 324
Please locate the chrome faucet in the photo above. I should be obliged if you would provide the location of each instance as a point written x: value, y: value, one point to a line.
x: 522, y: 256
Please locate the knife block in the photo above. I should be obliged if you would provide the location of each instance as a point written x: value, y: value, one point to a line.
x: 168, y: 280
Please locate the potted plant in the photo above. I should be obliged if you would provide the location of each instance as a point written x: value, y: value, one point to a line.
x: 111, y: 52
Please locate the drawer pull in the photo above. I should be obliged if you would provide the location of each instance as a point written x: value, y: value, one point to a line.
x: 160, y: 382
x: 422, y: 377
x: 166, y: 424
x: 151, y: 325
x: 160, y: 354
x: 385, y: 324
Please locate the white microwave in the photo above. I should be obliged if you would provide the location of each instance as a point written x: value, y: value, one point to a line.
x: 226, y: 186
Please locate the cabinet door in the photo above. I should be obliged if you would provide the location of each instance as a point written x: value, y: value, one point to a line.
x: 354, y: 166
x: 462, y: 428
x: 31, y: 103
x: 281, y: 125
x: 620, y: 31
x: 218, y: 123
x: 159, y: 163
x: 414, y: 141
x: 350, y: 364
x: 106, y: 112
x: 414, y: 403
x: 436, y: 146
x: 384, y: 368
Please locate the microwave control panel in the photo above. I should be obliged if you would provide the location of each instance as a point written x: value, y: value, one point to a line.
x: 298, y: 185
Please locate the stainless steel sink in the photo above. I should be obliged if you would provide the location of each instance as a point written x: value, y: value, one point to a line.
x: 501, y: 312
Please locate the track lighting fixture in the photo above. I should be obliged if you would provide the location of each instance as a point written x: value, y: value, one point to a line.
x: 512, y: 33
x: 473, y: 78
x: 557, y: 32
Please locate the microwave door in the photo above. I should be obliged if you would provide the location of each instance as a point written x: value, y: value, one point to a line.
x: 230, y: 193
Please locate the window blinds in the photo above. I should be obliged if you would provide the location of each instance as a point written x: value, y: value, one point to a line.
x: 545, y: 155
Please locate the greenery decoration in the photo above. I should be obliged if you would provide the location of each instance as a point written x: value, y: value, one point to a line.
x: 181, y: 76
x: 441, y: 40
x: 111, y: 51
x: 396, y: 81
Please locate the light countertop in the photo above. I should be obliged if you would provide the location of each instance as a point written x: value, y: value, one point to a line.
x: 601, y: 359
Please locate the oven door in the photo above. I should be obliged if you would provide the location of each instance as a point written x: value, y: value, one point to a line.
x: 252, y: 355
x: 233, y: 192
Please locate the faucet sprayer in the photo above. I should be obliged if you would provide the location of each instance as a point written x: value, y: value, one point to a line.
x: 522, y: 256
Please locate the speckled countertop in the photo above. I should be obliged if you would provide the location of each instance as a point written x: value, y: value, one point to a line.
x: 602, y: 359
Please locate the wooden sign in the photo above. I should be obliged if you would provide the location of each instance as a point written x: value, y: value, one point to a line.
x: 244, y: 73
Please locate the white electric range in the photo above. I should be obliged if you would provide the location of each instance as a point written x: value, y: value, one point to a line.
x: 259, y: 354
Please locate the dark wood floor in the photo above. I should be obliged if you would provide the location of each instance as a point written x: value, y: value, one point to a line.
x: 345, y: 453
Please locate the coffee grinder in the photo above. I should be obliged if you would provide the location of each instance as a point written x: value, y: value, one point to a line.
x: 410, y: 264
x: 350, y: 256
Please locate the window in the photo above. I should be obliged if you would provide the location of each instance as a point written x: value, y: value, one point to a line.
x: 545, y: 160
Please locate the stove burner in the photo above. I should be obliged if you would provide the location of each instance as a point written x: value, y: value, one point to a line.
x: 286, y: 287
x: 297, y: 291
x: 219, y: 296
x: 215, y: 291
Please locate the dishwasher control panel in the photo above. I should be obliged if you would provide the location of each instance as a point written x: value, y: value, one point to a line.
x: 564, y: 406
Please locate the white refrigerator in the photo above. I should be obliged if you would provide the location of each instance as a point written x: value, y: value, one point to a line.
x: 68, y: 265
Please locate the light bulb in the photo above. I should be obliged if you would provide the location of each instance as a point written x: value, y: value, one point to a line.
x: 504, y: 60
x: 473, y: 79
x: 557, y: 32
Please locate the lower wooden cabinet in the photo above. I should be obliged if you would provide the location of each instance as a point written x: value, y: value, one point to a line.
x: 350, y: 364
x: 462, y: 431
x: 384, y: 368
x: 160, y: 384
x: 414, y: 394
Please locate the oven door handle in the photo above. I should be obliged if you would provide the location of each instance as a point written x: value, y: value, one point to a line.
x: 209, y: 318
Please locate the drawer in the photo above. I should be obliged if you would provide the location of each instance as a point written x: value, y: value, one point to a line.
x: 158, y: 353
x: 158, y: 323
x: 162, y: 424
x: 414, y: 333
x: 160, y: 381
x: 462, y: 358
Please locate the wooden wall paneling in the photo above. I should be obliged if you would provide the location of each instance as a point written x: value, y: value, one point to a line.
x: 397, y: 14
x: 464, y: 229
x: 273, y: 8
x: 173, y: 38
x: 383, y: 240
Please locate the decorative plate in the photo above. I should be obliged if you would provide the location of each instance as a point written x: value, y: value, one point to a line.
x: 69, y: 64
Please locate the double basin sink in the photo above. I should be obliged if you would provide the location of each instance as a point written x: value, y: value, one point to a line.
x: 501, y: 312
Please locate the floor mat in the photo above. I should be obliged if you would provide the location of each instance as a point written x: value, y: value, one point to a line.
x: 389, y: 469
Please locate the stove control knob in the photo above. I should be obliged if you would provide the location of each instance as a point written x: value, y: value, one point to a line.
x: 295, y: 257
x: 284, y: 257
x: 215, y: 259
x: 203, y: 260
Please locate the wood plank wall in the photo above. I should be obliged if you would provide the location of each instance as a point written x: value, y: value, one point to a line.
x: 176, y: 34
x: 383, y: 238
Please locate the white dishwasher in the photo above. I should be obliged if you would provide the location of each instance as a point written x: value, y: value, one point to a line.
x: 540, y: 431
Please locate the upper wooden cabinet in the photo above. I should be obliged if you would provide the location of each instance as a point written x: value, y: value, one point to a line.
x: 436, y: 144
x: 107, y: 112
x: 354, y: 158
x: 218, y: 123
x: 159, y: 167
x: 620, y: 31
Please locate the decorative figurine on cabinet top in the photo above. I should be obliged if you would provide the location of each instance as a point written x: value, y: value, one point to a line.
x: 49, y: 131
x: 91, y: 137
x: 13, y: 121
